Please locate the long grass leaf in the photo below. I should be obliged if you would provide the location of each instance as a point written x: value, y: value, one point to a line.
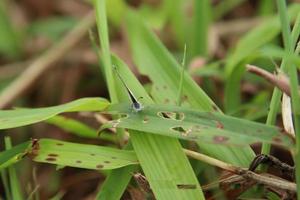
x: 198, y: 126
x: 293, y: 74
x: 22, y: 117
x: 78, y: 128
x: 16, y: 192
x: 68, y: 154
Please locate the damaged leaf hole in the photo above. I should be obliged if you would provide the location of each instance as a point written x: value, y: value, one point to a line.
x: 52, y: 155
x: 219, y: 125
x: 99, y: 166
x: 186, y: 186
x: 171, y: 115
x: 182, y: 131
x: 51, y: 159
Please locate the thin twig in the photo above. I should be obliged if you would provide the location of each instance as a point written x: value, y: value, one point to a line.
x: 280, y: 80
x: 262, y: 179
x: 45, y: 61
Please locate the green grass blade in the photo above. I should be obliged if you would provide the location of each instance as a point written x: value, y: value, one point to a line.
x: 22, y: 117
x: 266, y: 7
x: 201, y: 22
x: 69, y: 154
x: 78, y: 128
x: 160, y: 152
x: 13, y: 155
x: 153, y: 59
x: 14, y: 181
x: 293, y: 74
x: 10, y: 43
x: 5, y: 182
x: 118, y: 178
x: 275, y: 101
x: 250, y: 43
x: 82, y: 155
x: 198, y: 126
x: 100, y: 7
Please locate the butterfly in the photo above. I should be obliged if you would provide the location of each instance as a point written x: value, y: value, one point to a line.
x: 136, y: 105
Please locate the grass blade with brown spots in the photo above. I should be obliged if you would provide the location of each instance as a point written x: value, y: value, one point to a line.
x: 81, y: 155
x: 197, y: 126
x: 68, y: 154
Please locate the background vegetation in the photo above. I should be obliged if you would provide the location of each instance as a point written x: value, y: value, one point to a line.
x: 204, y: 115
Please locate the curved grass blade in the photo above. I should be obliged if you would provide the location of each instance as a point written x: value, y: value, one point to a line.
x: 78, y: 128
x: 13, y: 155
x: 14, y: 181
x: 22, y: 117
x: 198, y: 126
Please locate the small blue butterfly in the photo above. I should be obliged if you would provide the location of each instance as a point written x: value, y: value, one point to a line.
x: 136, y: 105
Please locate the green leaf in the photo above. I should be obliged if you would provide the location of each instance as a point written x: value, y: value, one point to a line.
x: 52, y: 27
x: 13, y: 177
x: 154, y: 60
x: 22, y: 117
x: 68, y: 154
x: 13, y: 155
x: 205, y: 127
x: 245, y: 48
x: 10, y: 43
x: 78, y: 128
x: 81, y: 155
x: 158, y: 152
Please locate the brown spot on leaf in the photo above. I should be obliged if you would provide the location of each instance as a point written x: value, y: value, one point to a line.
x: 113, y: 157
x: 219, y: 125
x: 145, y: 120
x: 51, y: 159
x: 186, y: 186
x: 78, y: 161
x: 99, y: 166
x: 92, y: 154
x: 220, y: 139
x: 165, y: 87
x: 52, y: 155
x: 106, y: 161
x: 184, y: 98
x: 277, y: 139
x: 166, y: 100
x: 59, y: 144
